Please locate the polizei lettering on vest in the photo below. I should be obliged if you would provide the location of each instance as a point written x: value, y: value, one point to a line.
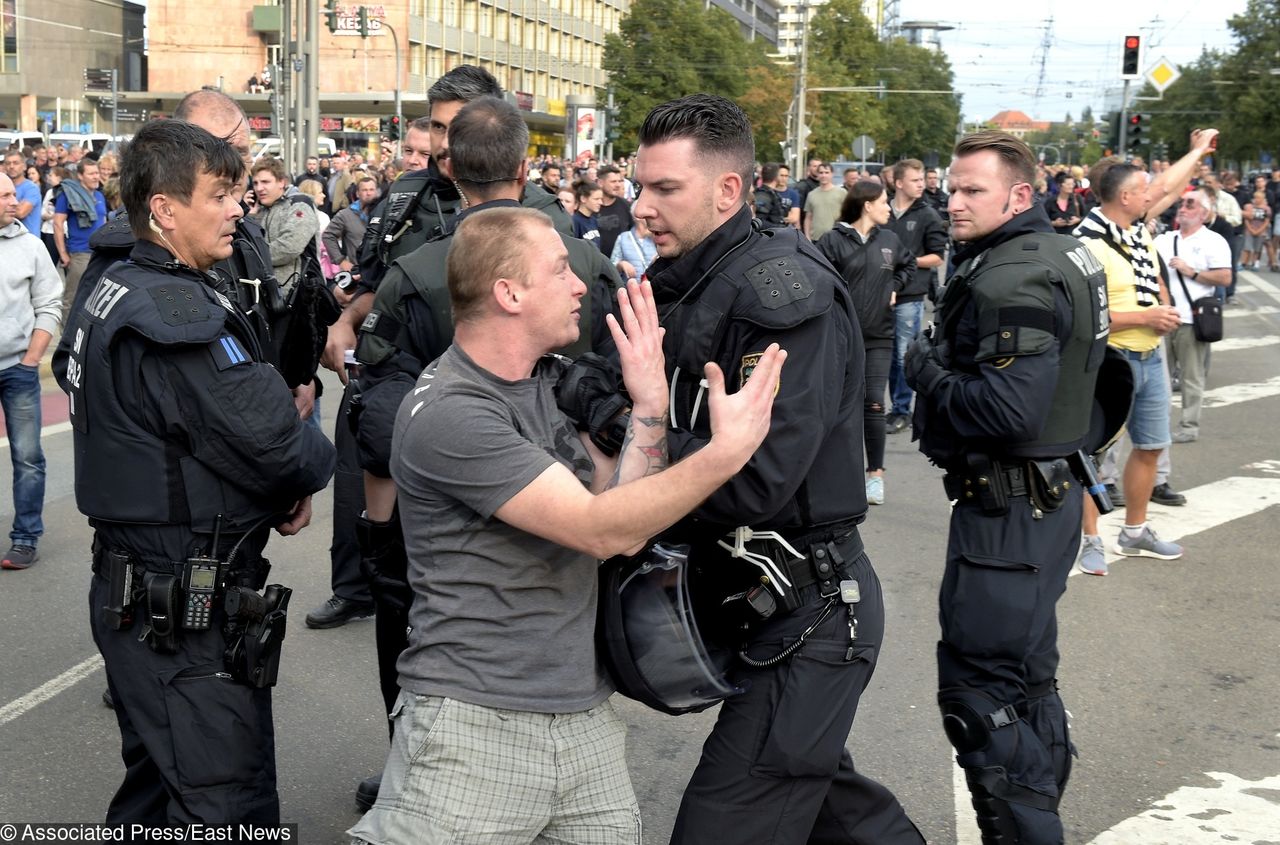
x: 104, y: 298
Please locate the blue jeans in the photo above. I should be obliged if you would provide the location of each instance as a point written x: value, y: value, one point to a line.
x: 20, y: 398
x: 1149, y: 419
x: 907, y: 317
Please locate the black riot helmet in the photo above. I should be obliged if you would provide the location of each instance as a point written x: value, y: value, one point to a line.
x: 1112, y: 401
x: 648, y: 638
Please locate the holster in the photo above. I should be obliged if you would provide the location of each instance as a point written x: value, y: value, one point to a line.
x: 1051, y: 482
x: 256, y: 632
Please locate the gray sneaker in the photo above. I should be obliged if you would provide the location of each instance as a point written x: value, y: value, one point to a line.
x: 875, y: 489
x: 1147, y: 544
x: 1093, y: 556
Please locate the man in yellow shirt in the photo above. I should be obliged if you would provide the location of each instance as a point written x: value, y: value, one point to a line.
x: 1116, y: 233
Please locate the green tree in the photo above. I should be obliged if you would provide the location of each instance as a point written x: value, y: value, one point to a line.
x: 770, y: 88
x: 1249, y: 126
x: 918, y: 124
x: 1194, y: 100
x: 843, y: 52
x: 669, y: 48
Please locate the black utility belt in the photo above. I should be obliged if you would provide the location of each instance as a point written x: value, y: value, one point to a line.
x: 183, y: 597
x: 990, y: 483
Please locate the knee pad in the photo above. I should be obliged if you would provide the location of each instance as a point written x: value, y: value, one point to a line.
x: 969, y: 717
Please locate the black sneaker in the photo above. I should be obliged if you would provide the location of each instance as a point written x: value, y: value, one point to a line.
x: 20, y: 557
x: 367, y: 792
x: 1163, y: 494
x: 1116, y: 494
x: 337, y: 612
x: 897, y: 423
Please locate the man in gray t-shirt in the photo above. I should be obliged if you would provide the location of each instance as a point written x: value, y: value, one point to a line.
x: 503, y: 727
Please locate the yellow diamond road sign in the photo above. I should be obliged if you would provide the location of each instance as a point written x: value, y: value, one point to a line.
x: 1162, y: 74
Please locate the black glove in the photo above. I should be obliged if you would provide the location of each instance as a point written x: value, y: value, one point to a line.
x: 589, y: 395
x: 921, y: 365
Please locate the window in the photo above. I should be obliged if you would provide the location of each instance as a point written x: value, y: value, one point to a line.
x: 10, y: 10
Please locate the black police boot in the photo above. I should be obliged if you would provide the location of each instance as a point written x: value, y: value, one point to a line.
x: 1163, y: 494
x: 367, y: 792
x: 107, y: 700
x: 337, y: 612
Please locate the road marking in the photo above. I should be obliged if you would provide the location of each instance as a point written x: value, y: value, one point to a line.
x: 56, y: 428
x: 1260, y: 311
x: 1235, y: 810
x: 1208, y: 506
x: 1230, y: 394
x: 967, y: 832
x: 1259, y: 283
x: 49, y: 689
x: 1233, y: 344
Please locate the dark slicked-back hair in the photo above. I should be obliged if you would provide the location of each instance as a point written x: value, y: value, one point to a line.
x: 1014, y: 154
x: 487, y: 141
x: 717, y: 127
x: 166, y: 157
x: 464, y: 83
x: 769, y: 174
x: 862, y: 192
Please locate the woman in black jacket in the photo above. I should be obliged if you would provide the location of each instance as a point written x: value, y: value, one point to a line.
x: 876, y: 266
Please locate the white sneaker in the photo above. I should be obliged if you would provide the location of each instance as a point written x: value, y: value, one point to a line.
x: 875, y: 489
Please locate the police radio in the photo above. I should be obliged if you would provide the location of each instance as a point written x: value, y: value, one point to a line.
x: 199, y: 583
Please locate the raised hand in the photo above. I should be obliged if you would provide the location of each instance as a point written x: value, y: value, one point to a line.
x: 639, y: 340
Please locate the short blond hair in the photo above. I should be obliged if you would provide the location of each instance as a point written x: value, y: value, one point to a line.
x: 489, y: 245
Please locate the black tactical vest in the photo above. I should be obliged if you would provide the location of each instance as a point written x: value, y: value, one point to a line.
x: 1011, y: 287
x: 125, y: 473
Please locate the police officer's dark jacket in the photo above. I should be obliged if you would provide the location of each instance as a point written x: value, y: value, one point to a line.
x: 725, y: 301
x: 1022, y: 327
x: 411, y: 324
x: 176, y: 421
x: 250, y: 259
x: 873, y: 270
x: 420, y: 206
x: 922, y: 232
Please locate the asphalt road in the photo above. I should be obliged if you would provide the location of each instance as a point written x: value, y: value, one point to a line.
x: 1171, y: 670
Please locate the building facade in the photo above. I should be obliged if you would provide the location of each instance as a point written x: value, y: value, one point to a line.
x: 46, y: 47
x: 794, y: 15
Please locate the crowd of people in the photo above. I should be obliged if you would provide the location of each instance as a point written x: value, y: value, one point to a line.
x: 479, y: 479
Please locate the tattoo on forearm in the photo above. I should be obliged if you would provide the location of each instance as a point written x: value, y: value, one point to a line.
x: 657, y: 455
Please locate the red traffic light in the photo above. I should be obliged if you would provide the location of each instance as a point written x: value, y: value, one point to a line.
x: 1131, y: 42
x: 1134, y: 119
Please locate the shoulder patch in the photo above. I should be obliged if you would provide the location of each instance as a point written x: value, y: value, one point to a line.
x: 748, y: 366
x: 779, y: 282
x: 227, y: 353
x: 180, y: 303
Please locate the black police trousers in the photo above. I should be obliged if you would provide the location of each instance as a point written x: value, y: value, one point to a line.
x: 999, y: 649
x: 196, y: 745
x: 346, y: 574
x: 775, y: 768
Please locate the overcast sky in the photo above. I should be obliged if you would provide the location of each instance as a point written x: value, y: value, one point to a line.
x: 996, y: 52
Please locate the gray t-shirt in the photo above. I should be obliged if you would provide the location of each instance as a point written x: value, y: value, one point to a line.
x: 500, y: 618
x: 823, y: 208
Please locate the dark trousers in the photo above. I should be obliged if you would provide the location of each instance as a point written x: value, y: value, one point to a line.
x: 873, y: 418
x: 196, y: 745
x: 998, y: 609
x: 346, y: 576
x: 775, y: 768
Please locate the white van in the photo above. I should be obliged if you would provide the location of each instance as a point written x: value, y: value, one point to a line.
x: 92, y: 143
x: 271, y: 146
x: 13, y: 138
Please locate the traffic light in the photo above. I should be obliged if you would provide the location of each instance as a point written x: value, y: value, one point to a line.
x: 1130, y: 59
x: 1139, y: 127
x: 393, y: 127
x: 331, y: 15
x: 364, y: 21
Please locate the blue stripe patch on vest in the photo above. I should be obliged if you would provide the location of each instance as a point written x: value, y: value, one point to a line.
x: 228, y: 353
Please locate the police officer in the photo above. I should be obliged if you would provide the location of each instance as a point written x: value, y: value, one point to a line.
x: 1004, y: 381
x: 421, y: 204
x: 727, y: 288
x: 411, y: 324
x: 188, y: 451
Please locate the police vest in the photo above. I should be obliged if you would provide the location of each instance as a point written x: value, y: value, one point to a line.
x: 773, y: 281
x: 125, y: 473
x: 1011, y: 286
x: 412, y: 214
